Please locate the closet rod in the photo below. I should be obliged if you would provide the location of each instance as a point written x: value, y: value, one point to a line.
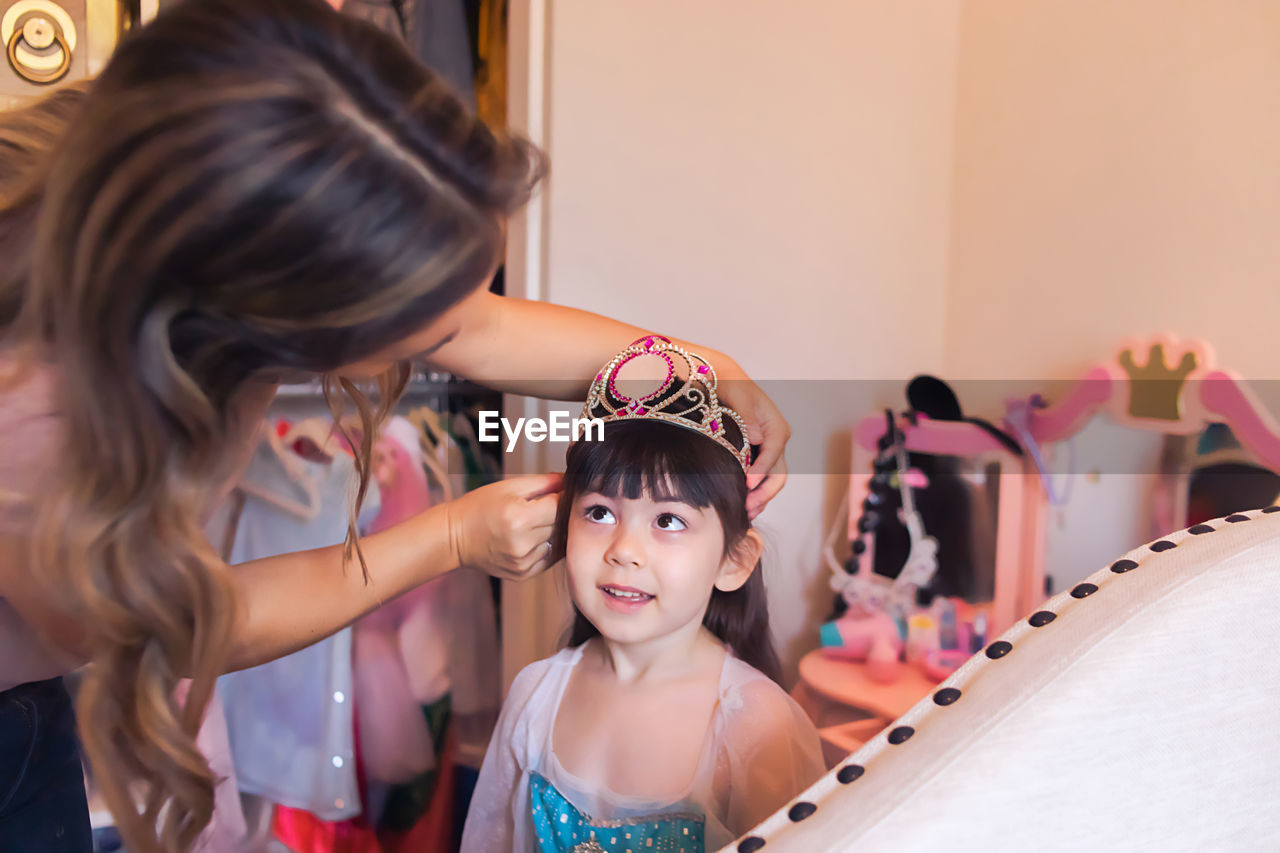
x: 421, y: 382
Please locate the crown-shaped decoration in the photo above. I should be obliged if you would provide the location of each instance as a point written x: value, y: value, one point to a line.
x: 1155, y: 389
x: 668, y: 383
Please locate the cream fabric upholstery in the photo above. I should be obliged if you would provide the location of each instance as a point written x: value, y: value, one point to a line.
x: 1144, y: 716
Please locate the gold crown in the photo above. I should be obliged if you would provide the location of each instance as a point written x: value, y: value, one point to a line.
x: 1155, y: 389
x: 686, y: 396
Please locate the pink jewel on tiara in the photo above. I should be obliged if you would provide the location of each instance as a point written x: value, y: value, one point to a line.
x: 702, y: 368
x: 715, y: 426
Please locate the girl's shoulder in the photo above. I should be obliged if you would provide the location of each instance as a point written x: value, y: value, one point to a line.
x: 760, y: 724
x: 542, y: 675
x: 561, y: 660
x: 740, y: 680
x: 745, y: 688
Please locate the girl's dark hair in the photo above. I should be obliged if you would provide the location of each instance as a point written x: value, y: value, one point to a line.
x: 670, y: 462
x: 251, y: 190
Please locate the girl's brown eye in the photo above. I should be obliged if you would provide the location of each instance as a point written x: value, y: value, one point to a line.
x: 599, y: 513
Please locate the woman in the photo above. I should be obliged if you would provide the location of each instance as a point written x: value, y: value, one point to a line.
x: 252, y: 191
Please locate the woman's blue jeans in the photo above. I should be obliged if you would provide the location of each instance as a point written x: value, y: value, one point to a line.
x: 42, y: 799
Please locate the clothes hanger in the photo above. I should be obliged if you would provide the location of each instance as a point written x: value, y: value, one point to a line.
x: 295, y: 469
x: 430, y: 422
x: 314, y: 439
x: 437, y: 470
x: 464, y: 429
x: 433, y: 442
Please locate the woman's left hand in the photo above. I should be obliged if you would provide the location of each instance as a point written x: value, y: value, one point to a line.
x: 766, y: 427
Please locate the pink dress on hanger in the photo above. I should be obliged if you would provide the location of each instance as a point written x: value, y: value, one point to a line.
x: 400, y: 662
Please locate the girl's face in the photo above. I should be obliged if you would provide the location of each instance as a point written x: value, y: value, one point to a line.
x: 641, y: 569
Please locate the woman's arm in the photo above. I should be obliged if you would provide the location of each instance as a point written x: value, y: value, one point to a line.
x: 290, y: 601
x: 293, y: 600
x: 534, y: 348
x: 550, y: 351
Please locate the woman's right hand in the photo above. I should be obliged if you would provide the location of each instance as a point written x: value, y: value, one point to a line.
x: 504, y: 529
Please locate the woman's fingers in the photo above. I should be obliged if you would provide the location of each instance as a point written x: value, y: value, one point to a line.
x: 503, y: 528
x: 533, y: 563
x: 775, y: 432
x: 536, y: 486
x: 767, y: 428
x: 768, y: 489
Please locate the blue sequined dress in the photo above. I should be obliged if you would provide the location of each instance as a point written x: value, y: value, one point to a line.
x: 761, y: 752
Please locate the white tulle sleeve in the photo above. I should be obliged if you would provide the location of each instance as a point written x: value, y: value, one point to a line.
x: 498, y: 819
x: 770, y: 752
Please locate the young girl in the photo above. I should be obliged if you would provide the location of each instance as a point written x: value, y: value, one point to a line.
x: 661, y: 726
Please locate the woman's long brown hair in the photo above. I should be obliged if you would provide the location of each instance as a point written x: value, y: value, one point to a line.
x: 251, y: 190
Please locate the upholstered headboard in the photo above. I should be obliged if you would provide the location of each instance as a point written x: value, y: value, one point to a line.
x: 1138, y: 710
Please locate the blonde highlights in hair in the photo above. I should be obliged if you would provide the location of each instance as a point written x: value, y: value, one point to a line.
x: 252, y: 189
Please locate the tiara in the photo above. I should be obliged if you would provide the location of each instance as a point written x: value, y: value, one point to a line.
x: 685, y: 397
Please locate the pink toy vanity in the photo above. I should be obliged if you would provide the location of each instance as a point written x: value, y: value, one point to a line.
x: 856, y: 688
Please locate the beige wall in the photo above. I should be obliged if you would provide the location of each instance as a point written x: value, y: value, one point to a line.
x: 984, y: 188
x: 1116, y: 174
x: 772, y: 180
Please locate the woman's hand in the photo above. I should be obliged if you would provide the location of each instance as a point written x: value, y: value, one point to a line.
x: 504, y: 529
x: 765, y: 427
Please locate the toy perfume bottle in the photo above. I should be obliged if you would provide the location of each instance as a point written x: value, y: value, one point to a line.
x: 870, y: 637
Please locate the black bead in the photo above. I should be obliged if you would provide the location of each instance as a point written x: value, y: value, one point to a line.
x: 999, y: 649
x: 900, y: 734
x: 1163, y: 545
x: 1237, y: 518
x: 873, y: 500
x: 869, y: 522
x: 1200, y: 528
x: 801, y: 810
x: 1041, y: 618
x: 850, y: 772
x: 1083, y: 590
x: 1122, y: 566
x: 750, y: 844
x: 859, y: 547
x: 946, y: 696
x: 1271, y: 509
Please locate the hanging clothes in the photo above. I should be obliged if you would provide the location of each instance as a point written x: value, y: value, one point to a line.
x: 435, y: 31
x: 400, y: 659
x: 290, y: 721
x: 491, y: 62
